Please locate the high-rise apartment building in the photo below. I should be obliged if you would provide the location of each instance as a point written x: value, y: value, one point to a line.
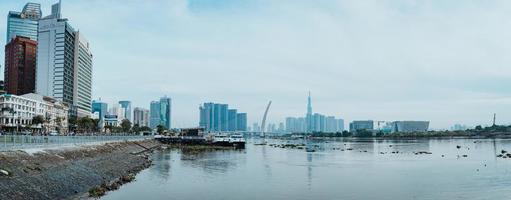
x: 218, y: 117
x: 20, y: 66
x: 24, y: 23
x: 82, y: 88
x: 241, y: 124
x: 141, y: 116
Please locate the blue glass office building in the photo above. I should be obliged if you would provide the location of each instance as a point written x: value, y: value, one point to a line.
x: 24, y: 23
x: 161, y: 113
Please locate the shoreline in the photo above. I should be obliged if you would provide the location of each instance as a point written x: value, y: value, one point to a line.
x: 72, y: 173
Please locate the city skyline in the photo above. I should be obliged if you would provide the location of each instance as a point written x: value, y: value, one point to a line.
x: 453, y: 74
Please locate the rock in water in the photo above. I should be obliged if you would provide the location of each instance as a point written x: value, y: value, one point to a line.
x: 3, y: 172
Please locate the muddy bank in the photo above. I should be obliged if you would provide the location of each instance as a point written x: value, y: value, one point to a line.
x: 69, y: 173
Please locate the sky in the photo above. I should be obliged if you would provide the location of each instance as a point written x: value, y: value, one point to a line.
x: 447, y: 62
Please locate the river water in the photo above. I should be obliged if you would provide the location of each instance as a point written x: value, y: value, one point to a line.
x: 369, y: 171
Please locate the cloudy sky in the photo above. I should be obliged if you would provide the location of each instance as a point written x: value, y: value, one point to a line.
x: 444, y: 61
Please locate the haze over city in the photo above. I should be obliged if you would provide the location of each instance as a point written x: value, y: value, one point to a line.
x: 440, y: 61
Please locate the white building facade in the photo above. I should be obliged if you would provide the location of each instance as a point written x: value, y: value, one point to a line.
x: 17, y: 112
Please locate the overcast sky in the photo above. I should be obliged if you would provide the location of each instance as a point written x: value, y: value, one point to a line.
x: 444, y: 61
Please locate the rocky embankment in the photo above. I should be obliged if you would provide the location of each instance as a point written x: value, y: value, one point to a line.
x: 71, y: 173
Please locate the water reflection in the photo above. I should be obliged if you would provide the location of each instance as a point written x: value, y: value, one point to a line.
x: 266, y: 172
x: 212, y: 161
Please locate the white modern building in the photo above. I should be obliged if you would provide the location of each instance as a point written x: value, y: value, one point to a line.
x: 82, y: 89
x: 64, y: 63
x: 17, y: 112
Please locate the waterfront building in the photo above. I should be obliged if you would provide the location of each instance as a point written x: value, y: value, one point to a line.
x: 141, y: 116
x: 296, y: 125
x: 112, y: 121
x: 55, y: 57
x: 161, y: 113
x: 101, y: 109
x: 361, y: 125
x: 241, y: 124
x: 64, y: 63
x: 340, y: 125
x: 232, y: 120
x: 125, y: 106
x: 82, y: 88
x: 154, y: 119
x: 410, y: 126
x: 20, y: 66
x: 24, y: 23
x: 218, y: 117
x: 165, y: 112
x: 17, y: 112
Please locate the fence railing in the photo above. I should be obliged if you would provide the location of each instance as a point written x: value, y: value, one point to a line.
x: 19, y: 142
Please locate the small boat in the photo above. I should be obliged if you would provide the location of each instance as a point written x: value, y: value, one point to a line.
x: 221, y: 140
x: 237, y: 141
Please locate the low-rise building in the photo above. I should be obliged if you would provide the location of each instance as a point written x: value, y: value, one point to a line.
x: 18, y: 112
x: 361, y: 125
x: 112, y: 121
x: 410, y: 126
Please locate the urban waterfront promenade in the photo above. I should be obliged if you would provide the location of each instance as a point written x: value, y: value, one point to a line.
x: 28, y: 142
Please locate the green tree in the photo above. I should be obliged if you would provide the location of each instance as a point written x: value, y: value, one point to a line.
x: 39, y: 119
x: 126, y: 125
x: 136, y: 128
x: 160, y: 129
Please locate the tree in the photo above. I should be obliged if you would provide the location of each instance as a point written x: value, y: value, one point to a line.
x: 145, y: 129
x: 126, y: 125
x: 136, y: 128
x: 479, y: 127
x: 160, y: 129
x: 39, y: 119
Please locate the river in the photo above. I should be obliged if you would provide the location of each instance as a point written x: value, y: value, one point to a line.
x: 369, y: 171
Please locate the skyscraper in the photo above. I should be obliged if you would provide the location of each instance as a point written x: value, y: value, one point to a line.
x: 24, y: 23
x: 141, y: 116
x: 126, y: 107
x: 82, y: 92
x: 102, y: 109
x: 165, y: 112
x: 308, y: 116
x: 218, y: 117
x: 241, y: 124
x: 154, y: 119
x: 55, y: 57
x: 161, y: 113
x: 64, y: 63
x: 20, y: 63
x: 232, y: 119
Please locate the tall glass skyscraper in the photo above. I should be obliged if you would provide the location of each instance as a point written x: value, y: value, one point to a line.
x: 161, y: 113
x: 154, y: 114
x: 24, y: 23
x: 218, y: 117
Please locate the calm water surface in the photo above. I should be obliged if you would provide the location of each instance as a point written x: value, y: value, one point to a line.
x: 264, y: 172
